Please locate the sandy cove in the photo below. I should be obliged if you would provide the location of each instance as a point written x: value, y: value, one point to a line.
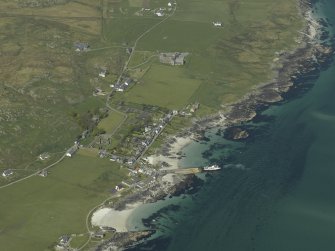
x: 109, y: 217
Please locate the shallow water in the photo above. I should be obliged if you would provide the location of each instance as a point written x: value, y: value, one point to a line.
x: 283, y: 199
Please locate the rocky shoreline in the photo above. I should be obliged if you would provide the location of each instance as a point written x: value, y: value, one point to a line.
x: 314, y: 54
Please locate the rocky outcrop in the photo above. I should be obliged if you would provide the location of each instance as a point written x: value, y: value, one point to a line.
x: 123, y: 240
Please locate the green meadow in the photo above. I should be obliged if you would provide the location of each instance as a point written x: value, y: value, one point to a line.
x: 164, y: 86
x: 36, y: 212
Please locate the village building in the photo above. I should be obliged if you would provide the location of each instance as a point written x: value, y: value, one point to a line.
x: 7, y: 173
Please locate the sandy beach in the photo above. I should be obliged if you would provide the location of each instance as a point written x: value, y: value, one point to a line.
x: 173, y: 158
x: 109, y: 217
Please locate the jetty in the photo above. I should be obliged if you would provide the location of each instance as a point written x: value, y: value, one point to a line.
x: 191, y: 170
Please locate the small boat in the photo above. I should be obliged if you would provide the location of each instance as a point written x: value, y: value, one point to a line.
x: 211, y: 168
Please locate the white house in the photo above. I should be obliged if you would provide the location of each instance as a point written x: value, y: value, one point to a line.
x: 159, y: 14
x: 169, y: 4
x: 7, y: 172
x: 217, y: 24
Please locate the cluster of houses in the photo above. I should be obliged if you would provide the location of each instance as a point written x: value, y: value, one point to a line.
x: 151, y: 133
x: 173, y: 58
x: 159, y: 12
x: 140, y: 144
x: 122, y: 85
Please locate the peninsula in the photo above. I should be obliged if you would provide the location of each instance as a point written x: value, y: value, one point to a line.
x: 99, y: 97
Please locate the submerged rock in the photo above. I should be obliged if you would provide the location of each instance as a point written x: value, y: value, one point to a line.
x: 235, y: 133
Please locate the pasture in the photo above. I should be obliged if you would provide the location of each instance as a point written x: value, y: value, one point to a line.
x: 36, y: 212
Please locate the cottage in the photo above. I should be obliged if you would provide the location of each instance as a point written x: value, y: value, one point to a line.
x: 169, y: 4
x: 64, y: 240
x: 81, y: 46
x: 43, y: 173
x: 7, y: 173
x: 103, y: 73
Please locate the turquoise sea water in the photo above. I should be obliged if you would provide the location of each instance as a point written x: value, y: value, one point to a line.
x: 281, y: 196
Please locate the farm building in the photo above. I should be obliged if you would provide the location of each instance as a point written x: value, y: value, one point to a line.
x: 71, y: 151
x: 173, y: 58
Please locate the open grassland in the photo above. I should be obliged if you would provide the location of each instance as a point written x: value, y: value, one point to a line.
x: 231, y: 60
x: 36, y: 212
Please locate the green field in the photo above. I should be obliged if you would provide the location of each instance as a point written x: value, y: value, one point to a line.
x: 164, y: 86
x: 36, y: 212
x: 111, y: 123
